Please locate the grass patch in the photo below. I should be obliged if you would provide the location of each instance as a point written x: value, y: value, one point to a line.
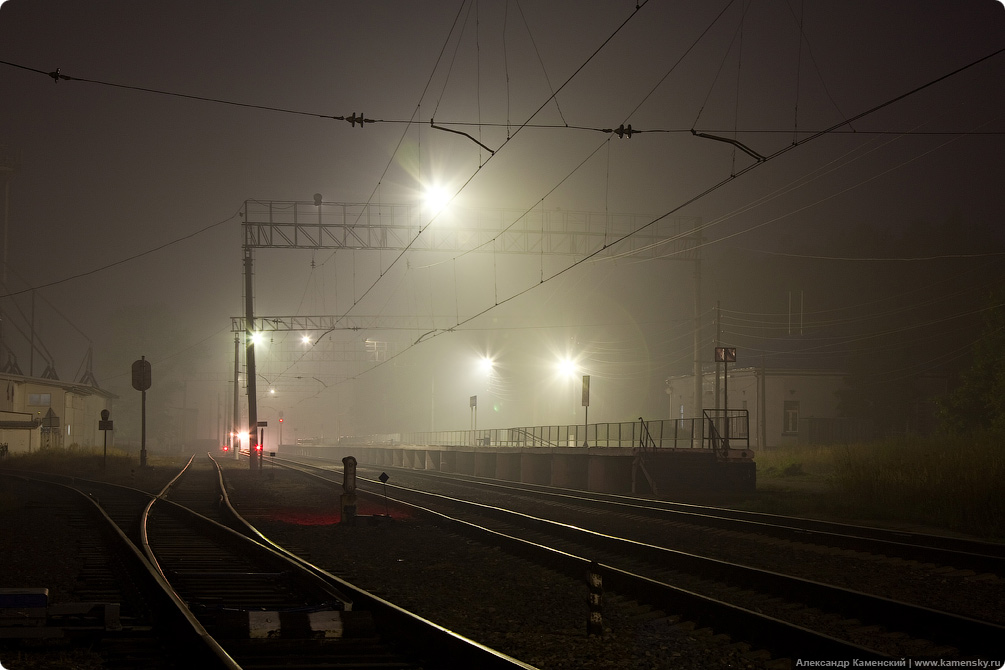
x: 956, y: 483
x: 953, y: 483
x: 120, y: 467
x: 73, y: 460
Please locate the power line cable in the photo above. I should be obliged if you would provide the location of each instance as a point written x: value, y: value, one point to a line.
x: 124, y: 260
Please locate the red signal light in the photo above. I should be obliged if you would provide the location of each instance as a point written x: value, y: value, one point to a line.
x: 226, y: 448
x: 258, y: 447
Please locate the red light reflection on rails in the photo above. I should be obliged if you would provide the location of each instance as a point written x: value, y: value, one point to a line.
x: 312, y: 516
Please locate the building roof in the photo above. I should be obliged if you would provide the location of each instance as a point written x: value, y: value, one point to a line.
x: 69, y: 387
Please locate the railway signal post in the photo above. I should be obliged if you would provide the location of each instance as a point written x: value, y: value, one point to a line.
x: 141, y: 382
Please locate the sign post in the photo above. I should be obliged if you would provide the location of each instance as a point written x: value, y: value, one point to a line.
x: 383, y: 480
x: 141, y: 382
x: 262, y: 425
x: 347, y: 511
x: 105, y: 425
x: 586, y: 404
x: 725, y: 355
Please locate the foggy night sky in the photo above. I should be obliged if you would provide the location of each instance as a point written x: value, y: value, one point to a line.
x: 103, y: 173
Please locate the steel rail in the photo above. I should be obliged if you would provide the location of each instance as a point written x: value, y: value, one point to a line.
x: 209, y: 647
x: 427, y: 636
x: 779, y: 637
x: 925, y: 548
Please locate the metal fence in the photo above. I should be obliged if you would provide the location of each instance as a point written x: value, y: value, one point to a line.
x: 665, y: 434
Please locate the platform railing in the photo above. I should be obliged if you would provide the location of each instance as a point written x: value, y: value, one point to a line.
x: 664, y: 434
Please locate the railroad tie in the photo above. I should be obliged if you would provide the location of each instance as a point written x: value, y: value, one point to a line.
x: 322, y: 624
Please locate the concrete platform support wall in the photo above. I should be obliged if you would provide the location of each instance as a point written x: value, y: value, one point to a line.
x: 448, y: 461
x: 570, y: 471
x: 508, y: 466
x: 485, y: 465
x: 609, y: 474
x: 736, y: 477
x: 465, y: 463
x: 412, y: 458
x: 432, y: 461
x: 534, y: 469
x: 681, y: 472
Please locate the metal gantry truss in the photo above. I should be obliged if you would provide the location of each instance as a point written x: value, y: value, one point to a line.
x: 332, y: 322
x: 271, y: 224
x: 336, y: 225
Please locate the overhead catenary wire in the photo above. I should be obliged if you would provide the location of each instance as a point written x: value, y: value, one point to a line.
x: 704, y: 193
x: 353, y: 118
x: 526, y: 126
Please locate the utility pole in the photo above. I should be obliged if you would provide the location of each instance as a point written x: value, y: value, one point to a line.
x: 718, y: 344
x: 698, y: 381
x: 31, y: 347
x: 235, y: 441
x: 9, y: 172
x: 249, y: 356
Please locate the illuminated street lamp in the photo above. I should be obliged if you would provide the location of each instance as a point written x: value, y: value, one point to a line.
x: 486, y: 364
x: 436, y: 198
x: 567, y: 367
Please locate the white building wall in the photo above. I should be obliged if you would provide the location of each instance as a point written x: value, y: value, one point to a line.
x: 77, y: 406
x: 814, y: 393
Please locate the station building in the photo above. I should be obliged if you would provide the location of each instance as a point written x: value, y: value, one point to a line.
x: 39, y: 413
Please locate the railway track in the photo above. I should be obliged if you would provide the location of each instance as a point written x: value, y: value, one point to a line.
x: 246, y: 604
x: 149, y: 630
x: 789, y: 616
x: 961, y: 553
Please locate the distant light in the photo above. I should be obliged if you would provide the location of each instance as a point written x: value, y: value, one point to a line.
x: 436, y: 198
x: 486, y: 364
x: 567, y: 367
x: 256, y: 338
x: 306, y: 339
x: 272, y: 391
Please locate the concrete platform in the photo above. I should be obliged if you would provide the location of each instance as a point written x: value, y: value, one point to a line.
x: 598, y: 469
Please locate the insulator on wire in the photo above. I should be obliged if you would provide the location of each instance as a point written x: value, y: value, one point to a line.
x: 622, y: 131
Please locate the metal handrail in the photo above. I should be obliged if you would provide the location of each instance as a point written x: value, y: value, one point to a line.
x: 645, y: 437
x: 531, y: 435
x: 663, y: 434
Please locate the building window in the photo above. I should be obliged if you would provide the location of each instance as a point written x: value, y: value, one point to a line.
x: 790, y: 422
x: 40, y: 399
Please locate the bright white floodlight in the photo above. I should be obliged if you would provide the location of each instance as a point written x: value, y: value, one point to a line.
x: 306, y: 339
x: 436, y: 198
x: 486, y: 364
x: 567, y: 367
